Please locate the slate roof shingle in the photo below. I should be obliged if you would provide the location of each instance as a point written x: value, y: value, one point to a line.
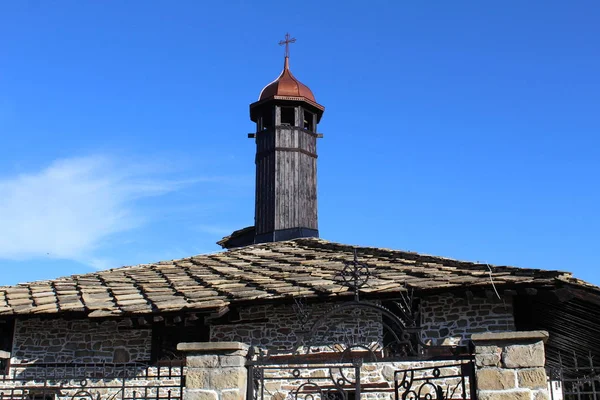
x: 266, y: 272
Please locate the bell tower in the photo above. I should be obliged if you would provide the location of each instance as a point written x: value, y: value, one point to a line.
x: 286, y: 116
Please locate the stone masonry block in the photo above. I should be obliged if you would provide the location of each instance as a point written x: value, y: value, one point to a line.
x: 505, y: 395
x: 197, y: 378
x: 495, y: 379
x: 232, y: 361
x: 212, y: 347
x: 321, y: 373
x: 541, y: 395
x: 228, y: 378
x: 219, y: 378
x: 487, y: 349
x: 524, y: 355
x: 200, y: 395
x: 534, y: 378
x: 487, y: 360
x: 388, y: 373
x: 233, y: 394
x: 510, y: 337
x: 202, y: 361
x: 272, y: 387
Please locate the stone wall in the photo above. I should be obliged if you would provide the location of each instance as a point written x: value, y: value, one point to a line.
x: 215, y: 371
x: 450, y: 320
x: 81, y: 341
x: 445, y: 319
x: 276, y: 327
x: 510, y: 366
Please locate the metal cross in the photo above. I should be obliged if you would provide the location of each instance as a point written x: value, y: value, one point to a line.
x: 287, y: 42
x: 354, y: 275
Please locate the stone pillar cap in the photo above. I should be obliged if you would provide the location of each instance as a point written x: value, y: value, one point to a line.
x: 208, y: 347
x: 510, y: 336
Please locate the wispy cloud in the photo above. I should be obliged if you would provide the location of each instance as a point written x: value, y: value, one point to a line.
x: 67, y: 209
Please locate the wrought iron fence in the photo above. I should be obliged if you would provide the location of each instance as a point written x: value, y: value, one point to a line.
x: 93, y: 381
x: 575, y: 379
x: 326, y: 376
x: 306, y: 382
x: 451, y: 381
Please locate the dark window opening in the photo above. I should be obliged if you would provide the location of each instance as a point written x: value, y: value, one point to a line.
x: 288, y: 116
x: 266, y: 120
x: 308, y: 121
x: 166, y: 338
x: 7, y: 328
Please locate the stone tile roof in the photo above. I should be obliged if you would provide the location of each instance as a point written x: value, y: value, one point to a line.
x: 263, y: 272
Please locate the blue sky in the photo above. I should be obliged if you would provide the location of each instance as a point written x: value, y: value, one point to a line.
x: 463, y: 129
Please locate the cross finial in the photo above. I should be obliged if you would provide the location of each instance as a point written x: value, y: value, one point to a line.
x: 287, y: 42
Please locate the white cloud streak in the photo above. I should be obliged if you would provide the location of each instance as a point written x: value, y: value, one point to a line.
x: 69, y: 208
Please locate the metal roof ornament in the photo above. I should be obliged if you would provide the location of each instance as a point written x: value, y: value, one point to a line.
x: 354, y: 275
x: 287, y: 42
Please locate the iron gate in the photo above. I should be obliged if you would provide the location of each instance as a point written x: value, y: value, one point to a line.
x: 101, y: 381
x: 321, y: 378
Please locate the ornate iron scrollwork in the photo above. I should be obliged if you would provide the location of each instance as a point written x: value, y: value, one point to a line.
x: 451, y: 381
x: 354, y: 275
x: 400, y: 332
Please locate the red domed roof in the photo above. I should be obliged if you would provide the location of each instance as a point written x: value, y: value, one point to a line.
x: 287, y: 86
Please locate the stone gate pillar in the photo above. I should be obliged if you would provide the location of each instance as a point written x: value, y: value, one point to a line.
x: 215, y: 370
x: 510, y: 365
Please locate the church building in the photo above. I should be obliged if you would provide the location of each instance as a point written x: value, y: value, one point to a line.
x: 282, y: 313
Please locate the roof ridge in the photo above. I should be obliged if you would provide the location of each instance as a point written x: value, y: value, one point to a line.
x: 416, y: 256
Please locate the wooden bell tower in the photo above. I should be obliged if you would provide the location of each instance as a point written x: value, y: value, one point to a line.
x: 286, y: 116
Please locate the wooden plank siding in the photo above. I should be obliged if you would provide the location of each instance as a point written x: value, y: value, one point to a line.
x: 286, y: 177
